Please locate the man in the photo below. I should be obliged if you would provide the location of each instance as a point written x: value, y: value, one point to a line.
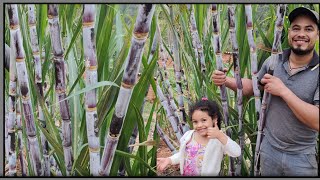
x: 292, y: 118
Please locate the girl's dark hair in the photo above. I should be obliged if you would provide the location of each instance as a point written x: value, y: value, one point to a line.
x: 211, y: 107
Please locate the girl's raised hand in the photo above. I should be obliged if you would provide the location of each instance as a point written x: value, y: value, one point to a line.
x: 213, y: 132
x: 162, y: 163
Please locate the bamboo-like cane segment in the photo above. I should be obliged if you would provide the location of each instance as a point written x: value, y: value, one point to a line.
x: 276, y: 51
x: 19, y: 55
x: 165, y: 138
x: 38, y: 80
x: 7, y: 57
x: 140, y: 34
x: 20, y: 140
x: 91, y: 78
x: 178, y: 71
x: 12, y: 111
x: 217, y: 50
x: 154, y: 44
x: 60, y: 84
x: 236, y: 65
x: 6, y: 138
x: 54, y: 167
x: 188, y: 96
x: 6, y: 135
x: 196, y: 41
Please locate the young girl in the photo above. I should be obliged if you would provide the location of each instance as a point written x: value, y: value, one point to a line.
x: 201, y: 150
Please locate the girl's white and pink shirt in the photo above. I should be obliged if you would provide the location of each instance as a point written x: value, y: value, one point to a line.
x: 203, y: 160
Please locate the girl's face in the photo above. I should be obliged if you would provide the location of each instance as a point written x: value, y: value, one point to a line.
x: 201, y: 121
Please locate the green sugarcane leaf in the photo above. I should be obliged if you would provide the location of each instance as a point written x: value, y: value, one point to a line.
x: 58, y: 149
x: 94, y: 86
x: 142, y: 150
x: 74, y: 36
x: 108, y: 97
x: 150, y: 117
x: 82, y: 158
x: 124, y: 154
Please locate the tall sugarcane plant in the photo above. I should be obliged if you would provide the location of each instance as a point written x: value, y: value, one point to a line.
x: 236, y: 67
x: 253, y: 57
x: 140, y: 34
x: 197, y: 45
x: 135, y: 131
x: 276, y: 51
x: 19, y: 57
x: 172, y: 112
x: 223, y: 91
x: 38, y: 80
x: 60, y: 84
x: 20, y: 139
x: 166, y: 139
x: 10, y: 125
x: 178, y: 72
x: 91, y: 78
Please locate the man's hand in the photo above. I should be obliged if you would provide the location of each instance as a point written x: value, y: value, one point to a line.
x: 219, y: 77
x: 274, y: 85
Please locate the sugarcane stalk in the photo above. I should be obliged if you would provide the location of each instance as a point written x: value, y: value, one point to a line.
x: 6, y: 135
x: 170, y: 100
x: 223, y: 91
x: 7, y: 57
x: 162, y: 69
x: 237, y: 75
x: 178, y: 72
x: 194, y: 31
x: 253, y: 57
x: 140, y: 34
x: 172, y: 119
x: 165, y: 139
x: 38, y: 81
x: 154, y: 44
x: 132, y: 140
x: 19, y: 55
x: 135, y: 130
x: 12, y: 110
x: 6, y: 138
x: 89, y: 47
x: 54, y: 167
x: 60, y: 84
x: 197, y: 45
x: 276, y: 51
x: 20, y: 143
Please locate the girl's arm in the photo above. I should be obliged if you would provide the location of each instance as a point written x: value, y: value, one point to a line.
x: 232, y: 148
x: 175, y: 159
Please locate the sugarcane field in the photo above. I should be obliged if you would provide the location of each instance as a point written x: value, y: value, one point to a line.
x: 117, y: 89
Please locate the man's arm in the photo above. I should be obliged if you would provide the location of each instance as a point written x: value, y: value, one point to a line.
x: 246, y: 84
x: 305, y: 112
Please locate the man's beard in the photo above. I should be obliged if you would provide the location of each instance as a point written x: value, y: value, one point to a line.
x: 298, y: 51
